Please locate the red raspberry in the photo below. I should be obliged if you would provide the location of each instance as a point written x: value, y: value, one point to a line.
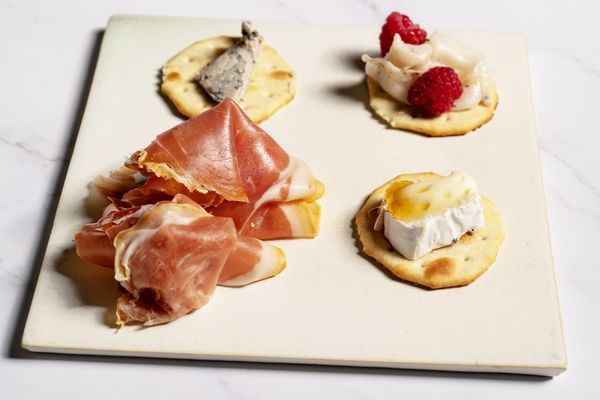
x: 398, y: 23
x: 434, y: 92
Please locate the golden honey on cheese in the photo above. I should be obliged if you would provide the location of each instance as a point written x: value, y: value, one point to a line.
x: 408, y: 201
x: 418, y: 217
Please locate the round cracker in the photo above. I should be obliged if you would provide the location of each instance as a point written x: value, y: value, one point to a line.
x: 272, y: 82
x: 455, y: 265
x: 452, y: 123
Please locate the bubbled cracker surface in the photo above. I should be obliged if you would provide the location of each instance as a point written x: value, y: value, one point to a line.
x: 272, y: 82
x: 451, y: 123
x: 455, y: 265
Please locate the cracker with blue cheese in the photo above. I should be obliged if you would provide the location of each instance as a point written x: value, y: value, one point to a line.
x: 449, y: 235
x: 243, y: 68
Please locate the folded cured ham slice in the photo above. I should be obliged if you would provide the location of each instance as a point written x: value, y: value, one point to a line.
x: 170, y: 261
x: 211, y: 152
x: 115, y: 183
x: 157, y: 189
x: 94, y: 242
x: 280, y: 218
x: 103, y: 188
x: 286, y: 209
x: 222, y: 151
x: 297, y: 219
x: 189, y: 212
x: 251, y: 260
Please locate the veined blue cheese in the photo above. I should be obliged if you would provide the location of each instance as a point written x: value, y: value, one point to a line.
x: 419, y: 217
x: 228, y: 75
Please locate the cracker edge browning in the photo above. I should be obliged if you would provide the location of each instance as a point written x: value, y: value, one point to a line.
x: 257, y: 114
x: 428, y: 279
x: 461, y: 123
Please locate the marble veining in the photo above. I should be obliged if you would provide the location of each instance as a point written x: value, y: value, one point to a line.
x: 23, y: 147
x: 586, y: 67
x: 9, y: 277
x: 374, y: 9
x: 580, y: 210
x: 575, y: 172
x: 290, y: 11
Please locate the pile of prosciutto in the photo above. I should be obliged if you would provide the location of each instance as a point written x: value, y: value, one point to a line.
x: 190, y: 212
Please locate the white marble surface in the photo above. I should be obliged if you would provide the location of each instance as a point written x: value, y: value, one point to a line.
x: 47, y: 48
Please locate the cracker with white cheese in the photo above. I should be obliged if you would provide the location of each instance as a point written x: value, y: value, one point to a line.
x: 455, y: 265
x: 452, y: 123
x: 272, y: 81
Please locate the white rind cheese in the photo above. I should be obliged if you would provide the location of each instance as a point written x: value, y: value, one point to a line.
x: 416, y: 238
x: 418, y: 217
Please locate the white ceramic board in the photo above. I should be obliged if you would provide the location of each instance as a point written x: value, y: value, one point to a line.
x: 331, y: 305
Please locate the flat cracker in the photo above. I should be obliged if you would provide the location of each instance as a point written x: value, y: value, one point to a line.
x: 452, y: 123
x: 455, y: 265
x: 272, y: 82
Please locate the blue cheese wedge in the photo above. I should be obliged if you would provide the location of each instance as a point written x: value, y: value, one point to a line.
x: 418, y: 217
x: 228, y: 75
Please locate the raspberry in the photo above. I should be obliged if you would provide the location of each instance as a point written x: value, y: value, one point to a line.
x: 398, y: 23
x: 434, y: 92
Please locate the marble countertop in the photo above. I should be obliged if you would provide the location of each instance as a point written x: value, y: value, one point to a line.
x: 48, y: 54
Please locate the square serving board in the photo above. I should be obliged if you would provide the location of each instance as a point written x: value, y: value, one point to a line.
x: 331, y: 305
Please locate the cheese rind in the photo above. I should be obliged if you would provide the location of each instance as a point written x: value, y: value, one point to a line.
x: 414, y: 239
x: 418, y: 217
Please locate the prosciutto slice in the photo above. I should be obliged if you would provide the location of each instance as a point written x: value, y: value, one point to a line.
x: 288, y: 203
x: 170, y: 261
x: 297, y: 219
x: 222, y: 152
x: 204, y: 153
x: 115, y: 183
x: 189, y: 212
x: 94, y: 242
x: 251, y: 260
x: 157, y: 189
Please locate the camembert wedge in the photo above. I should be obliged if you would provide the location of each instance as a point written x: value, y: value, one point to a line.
x: 419, y: 217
